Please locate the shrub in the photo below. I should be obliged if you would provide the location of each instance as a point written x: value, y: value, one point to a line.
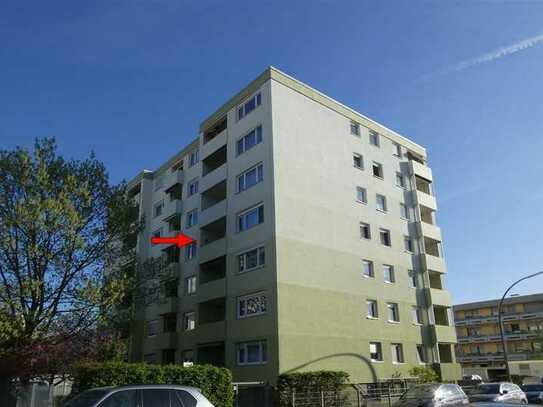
x: 305, y: 383
x: 214, y: 382
x: 424, y: 374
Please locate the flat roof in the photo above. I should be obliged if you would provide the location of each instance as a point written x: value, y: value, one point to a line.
x: 492, y: 303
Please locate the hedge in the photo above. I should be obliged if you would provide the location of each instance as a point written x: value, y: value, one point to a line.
x: 214, y: 382
x: 302, y: 384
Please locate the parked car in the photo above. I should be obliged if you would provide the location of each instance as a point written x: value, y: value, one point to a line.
x: 433, y: 395
x: 499, y: 392
x: 534, y: 393
x: 140, y: 396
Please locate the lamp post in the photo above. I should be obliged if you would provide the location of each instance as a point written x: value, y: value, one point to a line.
x: 504, y: 347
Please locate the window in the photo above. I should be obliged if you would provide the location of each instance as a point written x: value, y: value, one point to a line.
x: 400, y: 180
x: 384, y: 236
x: 367, y: 268
x: 372, y: 309
x: 249, y: 105
x: 184, y: 399
x: 381, y: 203
x: 417, y: 315
x: 421, y: 354
x: 376, y: 353
x: 251, y: 218
x: 157, y: 232
x: 192, y: 218
x: 158, y: 209
x: 365, y: 232
x: 192, y: 187
x: 190, y: 251
x: 152, y: 327
x: 250, y: 140
x: 190, y: 285
x: 412, y: 279
x: 252, y: 353
x: 393, y: 314
x: 252, y: 305
x: 250, y: 177
x: 388, y: 273
x: 361, y: 195
x: 189, y: 321
x: 397, y: 353
x: 404, y: 211
x: 125, y: 398
x: 374, y: 138
x: 159, y: 182
x: 251, y: 259
x: 355, y: 129
x: 396, y: 149
x: 193, y: 158
x: 408, y: 244
x: 358, y: 161
x: 377, y: 170
x: 156, y: 397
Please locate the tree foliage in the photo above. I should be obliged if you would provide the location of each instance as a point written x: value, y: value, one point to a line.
x: 64, y: 234
x: 424, y: 374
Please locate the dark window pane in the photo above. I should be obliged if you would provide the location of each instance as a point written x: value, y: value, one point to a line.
x: 186, y: 398
x: 125, y: 398
x: 156, y: 398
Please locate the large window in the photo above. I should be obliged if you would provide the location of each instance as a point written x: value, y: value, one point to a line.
x: 250, y: 177
x: 251, y: 218
x: 250, y: 140
x: 376, y: 352
x: 367, y: 268
x: 372, y: 309
x: 397, y: 353
x: 251, y: 259
x: 393, y: 313
x: 249, y: 105
x: 252, y: 305
x: 189, y: 321
x: 252, y: 353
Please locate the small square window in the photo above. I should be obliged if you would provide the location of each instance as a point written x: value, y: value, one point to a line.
x: 393, y: 313
x: 358, y: 161
x: 355, y: 129
x: 367, y: 268
x: 381, y: 203
x: 384, y: 236
x: 365, y: 232
x: 377, y: 170
x: 388, y: 273
x: 372, y: 309
x: 361, y: 195
x: 376, y: 352
x: 374, y: 138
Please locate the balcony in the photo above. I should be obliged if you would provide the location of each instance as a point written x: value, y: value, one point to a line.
x: 213, y: 178
x: 165, y: 340
x: 497, y: 357
x: 438, y: 297
x: 213, y: 250
x: 420, y: 170
x: 211, y: 144
x: 427, y: 230
x: 213, y: 270
x: 424, y: 199
x: 433, y: 263
x: 212, y: 353
x: 479, y: 320
x: 212, y: 290
x: 214, y: 161
x: 213, y: 195
x: 442, y: 333
x: 172, y: 208
x: 213, y: 213
x: 177, y: 177
x: 163, y: 306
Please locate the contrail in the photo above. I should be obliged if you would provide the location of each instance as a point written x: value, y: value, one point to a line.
x: 489, y: 57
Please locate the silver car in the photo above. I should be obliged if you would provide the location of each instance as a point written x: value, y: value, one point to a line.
x: 499, y: 392
x: 141, y: 396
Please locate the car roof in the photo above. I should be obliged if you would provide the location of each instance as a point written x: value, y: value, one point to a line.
x: 152, y: 386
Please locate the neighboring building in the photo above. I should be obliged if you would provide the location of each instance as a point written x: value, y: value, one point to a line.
x: 317, y: 243
x: 479, y: 342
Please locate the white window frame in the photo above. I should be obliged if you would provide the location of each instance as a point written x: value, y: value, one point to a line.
x: 412, y: 278
x: 241, y: 109
x: 407, y: 215
x: 194, y: 157
x: 192, y: 218
x: 191, y: 251
x: 408, y: 244
x: 260, y: 296
x: 378, y: 351
x: 259, y: 136
x: 382, y: 232
x: 421, y: 354
x: 383, y: 199
x: 372, y: 309
x: 242, y: 259
x: 186, y: 325
x: 398, y: 357
x: 361, y: 191
x: 381, y: 170
x: 259, y: 168
x: 391, y: 272
x: 241, y: 217
x: 190, y: 285
x: 402, y: 182
x: 371, y: 268
x: 263, y: 358
x: 416, y: 313
x: 374, y: 138
x: 395, y: 309
x: 364, y: 224
x: 361, y: 157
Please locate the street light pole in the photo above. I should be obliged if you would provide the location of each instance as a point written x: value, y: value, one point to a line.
x: 504, y: 347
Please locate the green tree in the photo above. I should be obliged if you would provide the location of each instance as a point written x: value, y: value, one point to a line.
x: 424, y: 374
x: 64, y: 234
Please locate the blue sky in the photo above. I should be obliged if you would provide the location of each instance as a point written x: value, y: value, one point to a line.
x: 125, y: 78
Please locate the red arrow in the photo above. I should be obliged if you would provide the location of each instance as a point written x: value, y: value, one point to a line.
x: 180, y: 240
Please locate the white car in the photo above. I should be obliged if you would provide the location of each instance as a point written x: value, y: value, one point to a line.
x: 141, y: 396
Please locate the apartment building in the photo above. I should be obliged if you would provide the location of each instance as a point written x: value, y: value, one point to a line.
x: 316, y: 244
x: 479, y: 347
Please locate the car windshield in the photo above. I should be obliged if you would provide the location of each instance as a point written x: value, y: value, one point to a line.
x: 418, y: 392
x: 532, y: 387
x: 488, y: 389
x: 87, y: 398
